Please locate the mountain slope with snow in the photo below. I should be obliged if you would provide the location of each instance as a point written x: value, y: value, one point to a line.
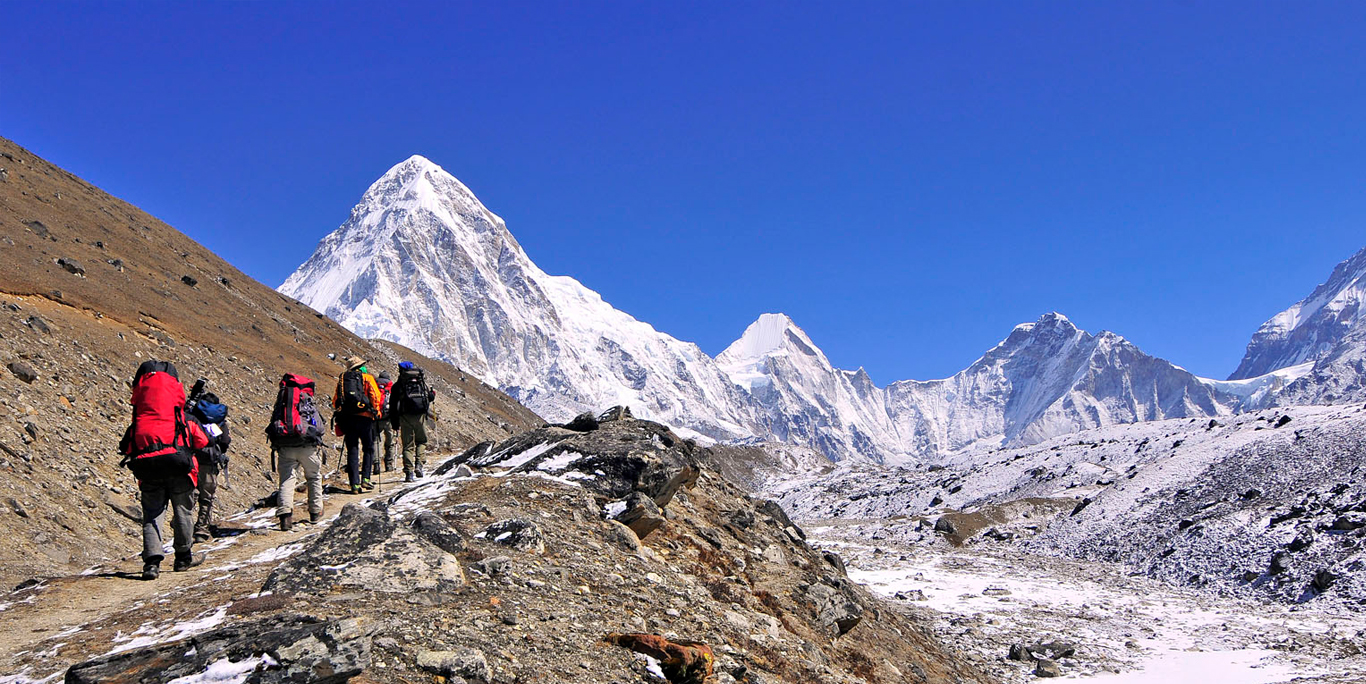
x: 1046, y: 379
x: 802, y: 399
x: 1318, y: 345
x: 422, y: 262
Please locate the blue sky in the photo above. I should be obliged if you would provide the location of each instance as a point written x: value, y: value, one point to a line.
x: 907, y: 180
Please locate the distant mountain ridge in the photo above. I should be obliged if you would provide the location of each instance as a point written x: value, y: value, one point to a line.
x: 1318, y: 345
x: 422, y: 262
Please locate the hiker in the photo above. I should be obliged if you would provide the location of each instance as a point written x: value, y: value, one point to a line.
x: 410, y: 402
x: 295, y: 434
x: 160, y: 448
x: 204, y: 409
x: 354, y: 406
x: 386, y: 430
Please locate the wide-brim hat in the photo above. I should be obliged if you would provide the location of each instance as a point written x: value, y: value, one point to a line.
x: 354, y: 362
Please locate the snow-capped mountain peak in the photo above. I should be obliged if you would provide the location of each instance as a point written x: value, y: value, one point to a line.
x: 772, y: 333
x: 1311, y: 329
x: 422, y: 262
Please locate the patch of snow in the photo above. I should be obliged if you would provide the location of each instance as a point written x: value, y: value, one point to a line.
x: 227, y: 672
x: 146, y: 635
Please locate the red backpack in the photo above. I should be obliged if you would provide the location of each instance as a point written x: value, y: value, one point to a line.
x: 294, y: 422
x: 160, y: 443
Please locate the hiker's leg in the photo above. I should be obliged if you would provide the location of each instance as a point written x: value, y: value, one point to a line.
x: 388, y: 429
x: 373, y: 470
x: 420, y: 438
x: 154, y: 500
x: 352, y: 452
x: 208, y: 489
x: 366, y: 427
x: 312, y: 463
x: 182, y: 515
x: 286, y: 465
x: 409, y: 439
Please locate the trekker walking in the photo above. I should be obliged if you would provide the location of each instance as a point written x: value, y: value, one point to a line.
x: 211, y: 415
x: 295, y: 434
x: 386, y: 430
x: 409, y: 404
x: 159, y: 447
x: 354, y: 406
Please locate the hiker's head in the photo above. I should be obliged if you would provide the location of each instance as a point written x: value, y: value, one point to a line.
x: 384, y: 375
x: 406, y: 365
x: 355, y: 363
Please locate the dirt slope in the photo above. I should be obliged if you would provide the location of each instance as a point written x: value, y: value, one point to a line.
x: 90, y: 286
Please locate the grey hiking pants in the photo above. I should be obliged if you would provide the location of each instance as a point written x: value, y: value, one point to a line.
x: 158, y: 495
x: 208, y: 488
x: 386, y: 432
x: 293, y: 460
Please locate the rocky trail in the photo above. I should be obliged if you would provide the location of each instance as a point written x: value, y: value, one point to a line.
x: 1096, y: 622
x: 48, y: 624
x: 601, y: 551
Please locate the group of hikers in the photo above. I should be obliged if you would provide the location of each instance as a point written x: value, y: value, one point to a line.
x: 177, y: 446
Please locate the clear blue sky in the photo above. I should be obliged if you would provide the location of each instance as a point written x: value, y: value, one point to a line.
x: 908, y: 180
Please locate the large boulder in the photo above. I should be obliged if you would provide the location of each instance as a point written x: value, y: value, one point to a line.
x: 835, y: 607
x: 366, y: 549
x: 637, y: 512
x: 621, y: 456
x: 274, y: 650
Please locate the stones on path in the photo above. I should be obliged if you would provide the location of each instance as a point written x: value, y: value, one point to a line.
x: 466, y: 663
x: 273, y: 650
x: 516, y: 533
x: 23, y: 371
x: 366, y: 549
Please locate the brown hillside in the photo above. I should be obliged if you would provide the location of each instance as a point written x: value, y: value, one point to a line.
x: 89, y: 287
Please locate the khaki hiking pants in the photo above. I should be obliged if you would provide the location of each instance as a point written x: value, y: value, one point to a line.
x: 413, y: 433
x: 292, y: 460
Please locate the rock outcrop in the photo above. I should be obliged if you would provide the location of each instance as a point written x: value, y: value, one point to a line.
x: 367, y: 549
x: 724, y: 589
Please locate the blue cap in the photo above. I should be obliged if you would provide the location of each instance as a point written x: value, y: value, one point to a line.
x: 406, y: 365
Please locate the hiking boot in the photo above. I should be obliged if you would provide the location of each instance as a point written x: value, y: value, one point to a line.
x: 315, y: 518
x: 185, y: 561
x: 201, y: 537
x: 286, y: 522
x: 355, y: 489
x: 420, y: 474
x: 151, y: 571
x: 366, y: 485
x: 408, y: 477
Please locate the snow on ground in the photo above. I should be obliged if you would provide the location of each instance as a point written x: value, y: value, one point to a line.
x: 225, y: 671
x: 1125, y: 628
x: 148, y: 634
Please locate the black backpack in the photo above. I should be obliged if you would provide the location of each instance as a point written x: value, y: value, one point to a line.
x: 414, y: 398
x: 354, y: 399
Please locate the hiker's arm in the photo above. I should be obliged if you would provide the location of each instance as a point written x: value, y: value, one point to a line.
x: 198, y: 439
